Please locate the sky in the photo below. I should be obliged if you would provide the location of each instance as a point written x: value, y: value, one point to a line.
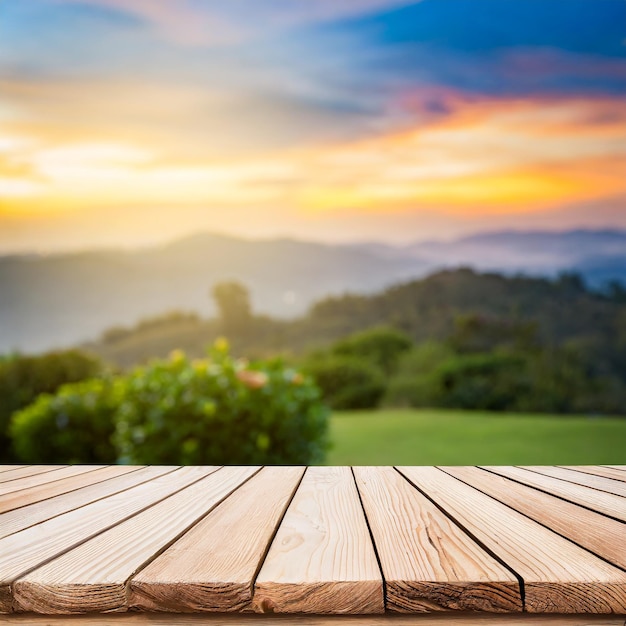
x: 130, y: 122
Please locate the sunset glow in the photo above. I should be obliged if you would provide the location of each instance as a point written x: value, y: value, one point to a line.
x: 144, y: 112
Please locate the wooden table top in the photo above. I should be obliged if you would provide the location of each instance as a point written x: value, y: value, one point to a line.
x: 317, y: 540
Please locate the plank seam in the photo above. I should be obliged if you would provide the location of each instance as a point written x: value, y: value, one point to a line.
x: 573, y: 482
x: 97, y: 482
x: 471, y: 535
x: 617, y: 519
x: 9, y: 468
x: 81, y: 542
x: 54, y: 469
x: 619, y: 481
x: 271, y: 539
x: 541, y: 523
x: 160, y: 551
x: 369, y: 529
x: 148, y: 479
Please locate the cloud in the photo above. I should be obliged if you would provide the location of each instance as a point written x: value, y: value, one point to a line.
x: 214, y: 22
x: 480, y: 157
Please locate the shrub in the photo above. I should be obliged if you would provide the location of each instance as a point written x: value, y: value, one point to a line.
x: 74, y: 426
x: 381, y: 346
x: 346, y: 382
x: 23, y: 378
x: 220, y: 411
x: 491, y: 381
x: 415, y: 382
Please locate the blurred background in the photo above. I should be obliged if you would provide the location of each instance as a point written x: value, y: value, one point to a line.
x: 370, y: 232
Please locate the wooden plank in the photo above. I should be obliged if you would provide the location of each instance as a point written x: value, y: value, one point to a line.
x: 207, y: 619
x: 28, y: 470
x: 602, y: 535
x: 621, y: 468
x: 598, y: 470
x: 8, y: 468
x: 24, y: 497
x: 580, y: 478
x: 605, y: 503
x: 428, y: 562
x: 45, y: 478
x: 322, y: 559
x: 559, y: 576
x: 21, y: 518
x: 212, y: 567
x: 23, y: 551
x: 92, y: 577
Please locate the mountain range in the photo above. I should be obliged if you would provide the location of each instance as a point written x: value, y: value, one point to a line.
x: 50, y: 301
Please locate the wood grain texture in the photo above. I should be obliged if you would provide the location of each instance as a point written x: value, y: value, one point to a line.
x: 322, y: 559
x: 23, y: 551
x: 559, y: 576
x: 609, y: 485
x: 22, y: 518
x: 212, y: 567
x: 207, y: 619
x: 45, y: 478
x: 602, y: 535
x: 26, y: 471
x: 93, y: 576
x: 598, y: 470
x: 605, y: 503
x: 428, y: 562
x: 621, y: 468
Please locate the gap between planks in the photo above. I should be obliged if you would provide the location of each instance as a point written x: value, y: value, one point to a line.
x: 440, y: 619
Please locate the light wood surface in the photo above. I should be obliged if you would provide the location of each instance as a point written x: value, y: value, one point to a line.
x: 599, y: 534
x: 200, y: 573
x: 605, y: 503
x: 597, y: 470
x: 53, y: 476
x: 23, y: 551
x: 22, y: 471
x: 558, y: 576
x: 390, y: 619
x: 92, y: 577
x: 322, y: 559
x: 32, y: 506
x: 312, y: 541
x: 9, y: 468
x: 609, y: 485
x: 428, y: 562
x: 17, y: 484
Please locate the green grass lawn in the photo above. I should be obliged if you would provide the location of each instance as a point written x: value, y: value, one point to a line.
x: 451, y: 437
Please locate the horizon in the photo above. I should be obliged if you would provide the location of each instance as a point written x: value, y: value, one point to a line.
x: 126, y: 125
x: 399, y: 245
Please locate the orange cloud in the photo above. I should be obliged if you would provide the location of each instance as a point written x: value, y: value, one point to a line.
x: 481, y: 158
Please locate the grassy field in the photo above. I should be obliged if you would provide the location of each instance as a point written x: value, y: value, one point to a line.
x: 438, y: 437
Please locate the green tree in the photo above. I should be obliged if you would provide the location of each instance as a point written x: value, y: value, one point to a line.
x: 233, y: 303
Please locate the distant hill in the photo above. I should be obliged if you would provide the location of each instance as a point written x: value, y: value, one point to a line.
x: 562, y: 310
x: 59, y: 300
x: 599, y: 255
x: 65, y: 299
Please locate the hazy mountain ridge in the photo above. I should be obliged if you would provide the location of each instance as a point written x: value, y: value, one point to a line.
x: 64, y: 299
